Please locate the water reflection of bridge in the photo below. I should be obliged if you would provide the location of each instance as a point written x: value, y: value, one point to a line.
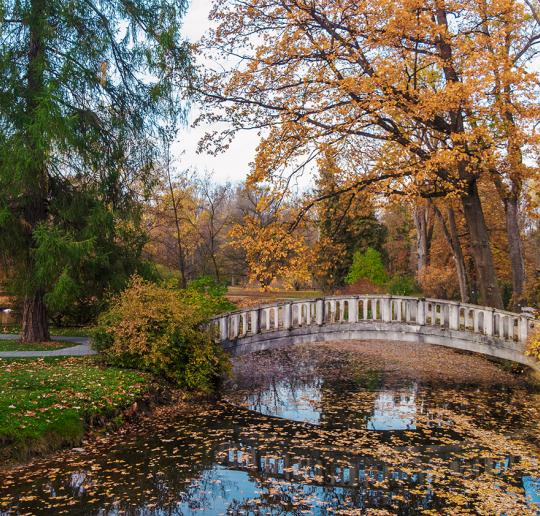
x: 372, y: 480
x: 330, y: 468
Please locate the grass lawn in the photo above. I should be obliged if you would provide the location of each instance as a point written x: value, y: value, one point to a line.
x: 65, y: 331
x: 16, y: 345
x: 47, y: 403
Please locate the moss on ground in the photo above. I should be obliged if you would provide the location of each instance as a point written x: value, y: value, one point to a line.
x: 48, y: 403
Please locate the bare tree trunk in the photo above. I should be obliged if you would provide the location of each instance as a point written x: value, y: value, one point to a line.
x: 34, y: 319
x: 180, y: 247
x: 216, y: 268
x: 515, y: 246
x: 420, y: 222
x: 452, y: 238
x: 464, y: 289
x: 480, y: 249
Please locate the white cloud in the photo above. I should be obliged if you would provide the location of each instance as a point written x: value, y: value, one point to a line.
x: 232, y: 165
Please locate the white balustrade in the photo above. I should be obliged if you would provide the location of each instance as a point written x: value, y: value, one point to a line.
x: 367, y: 308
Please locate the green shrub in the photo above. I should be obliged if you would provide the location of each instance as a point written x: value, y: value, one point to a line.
x: 159, y: 328
x: 367, y: 265
x: 402, y: 285
x: 213, y: 299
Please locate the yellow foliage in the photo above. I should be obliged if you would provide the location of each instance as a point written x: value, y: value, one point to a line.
x: 439, y: 282
x: 273, y: 252
x: 533, y: 345
x: 159, y: 329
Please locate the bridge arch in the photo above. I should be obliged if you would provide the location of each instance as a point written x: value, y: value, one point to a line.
x: 479, y: 329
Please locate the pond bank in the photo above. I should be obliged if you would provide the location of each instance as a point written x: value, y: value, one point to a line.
x: 47, y: 404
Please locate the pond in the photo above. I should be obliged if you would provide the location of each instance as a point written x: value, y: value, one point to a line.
x: 348, y: 428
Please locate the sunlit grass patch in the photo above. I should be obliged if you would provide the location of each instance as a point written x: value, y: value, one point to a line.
x: 48, y: 403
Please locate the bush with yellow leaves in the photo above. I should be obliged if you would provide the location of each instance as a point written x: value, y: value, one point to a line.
x: 159, y: 328
x: 533, y: 345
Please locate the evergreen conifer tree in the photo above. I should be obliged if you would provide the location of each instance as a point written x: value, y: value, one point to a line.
x: 84, y: 87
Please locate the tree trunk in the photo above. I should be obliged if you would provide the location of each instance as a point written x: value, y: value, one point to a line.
x: 216, y: 268
x: 35, y: 326
x: 515, y: 247
x: 34, y: 318
x: 452, y: 238
x: 481, y: 252
x: 458, y: 257
x: 180, y: 247
x: 420, y: 223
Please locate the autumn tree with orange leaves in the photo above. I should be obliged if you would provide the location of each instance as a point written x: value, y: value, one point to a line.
x: 443, y: 89
x: 272, y: 250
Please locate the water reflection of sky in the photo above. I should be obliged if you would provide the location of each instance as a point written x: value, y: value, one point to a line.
x: 532, y: 491
x: 221, y: 491
x: 392, y: 409
x: 295, y: 403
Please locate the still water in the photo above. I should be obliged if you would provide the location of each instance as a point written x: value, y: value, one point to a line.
x: 311, y: 436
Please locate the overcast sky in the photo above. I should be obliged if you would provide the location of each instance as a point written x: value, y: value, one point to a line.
x: 232, y: 165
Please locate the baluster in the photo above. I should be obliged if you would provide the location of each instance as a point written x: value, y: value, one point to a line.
x: 421, y: 312
x: 365, y: 308
x: 307, y: 306
x: 523, y: 328
x: 266, y: 318
x: 255, y: 319
x: 504, y: 322
x: 332, y: 311
x: 509, y: 328
x: 488, y: 322
x: 223, y: 328
x: 243, y: 317
x: 235, y: 326
x: 476, y: 321
x: 287, y: 316
x: 408, y: 311
x: 386, y: 314
x: 353, y: 310
x: 319, y: 312
x: 453, y: 316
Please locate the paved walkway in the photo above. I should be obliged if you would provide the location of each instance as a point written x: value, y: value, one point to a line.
x: 80, y: 348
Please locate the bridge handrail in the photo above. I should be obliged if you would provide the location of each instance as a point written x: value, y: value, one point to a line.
x: 294, y: 313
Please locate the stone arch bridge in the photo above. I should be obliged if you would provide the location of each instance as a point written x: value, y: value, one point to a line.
x: 468, y: 327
